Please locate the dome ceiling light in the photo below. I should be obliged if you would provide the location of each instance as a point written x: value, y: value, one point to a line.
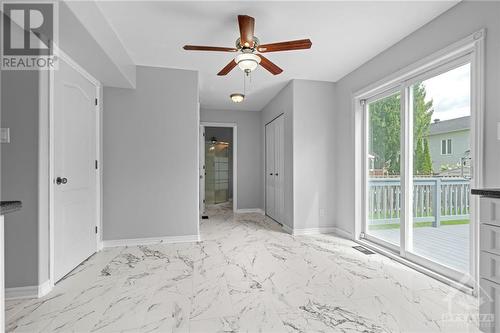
x: 247, y: 62
x: 237, y: 97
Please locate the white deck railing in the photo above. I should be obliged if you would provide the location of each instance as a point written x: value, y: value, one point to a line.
x: 434, y: 200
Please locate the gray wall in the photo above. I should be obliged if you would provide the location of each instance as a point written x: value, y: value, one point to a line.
x: 313, y: 153
x: 249, y: 153
x: 308, y: 108
x: 282, y: 103
x: 150, y: 149
x: 457, y: 23
x: 77, y: 42
x: 19, y: 175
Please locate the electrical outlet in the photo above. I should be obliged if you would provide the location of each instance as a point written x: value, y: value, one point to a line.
x: 4, y: 135
x: 322, y: 212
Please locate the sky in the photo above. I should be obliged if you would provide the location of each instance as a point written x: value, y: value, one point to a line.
x: 450, y: 93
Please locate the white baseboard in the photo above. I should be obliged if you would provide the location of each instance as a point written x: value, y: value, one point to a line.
x: 250, y: 210
x: 287, y: 229
x: 313, y: 231
x: 317, y: 231
x: 28, y: 291
x: 44, y: 288
x: 151, y: 240
x: 343, y: 233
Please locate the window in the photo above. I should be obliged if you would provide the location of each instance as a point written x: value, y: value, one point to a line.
x: 446, y: 147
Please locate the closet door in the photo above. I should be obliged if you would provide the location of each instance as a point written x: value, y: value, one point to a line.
x: 270, y: 178
x: 279, y: 147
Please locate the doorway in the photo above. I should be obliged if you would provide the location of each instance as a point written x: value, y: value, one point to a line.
x: 75, y: 175
x: 418, y: 156
x: 218, y: 157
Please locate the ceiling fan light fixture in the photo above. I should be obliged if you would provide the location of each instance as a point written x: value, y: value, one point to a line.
x: 247, y: 62
x: 237, y: 97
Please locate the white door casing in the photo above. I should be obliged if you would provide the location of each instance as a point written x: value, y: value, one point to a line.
x: 202, y: 169
x: 75, y: 155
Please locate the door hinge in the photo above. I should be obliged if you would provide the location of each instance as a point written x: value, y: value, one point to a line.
x: 96, y: 102
x: 96, y: 165
x: 96, y: 229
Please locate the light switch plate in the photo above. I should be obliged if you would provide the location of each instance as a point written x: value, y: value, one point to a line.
x: 4, y: 135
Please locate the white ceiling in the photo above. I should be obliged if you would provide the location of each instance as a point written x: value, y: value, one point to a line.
x: 344, y: 35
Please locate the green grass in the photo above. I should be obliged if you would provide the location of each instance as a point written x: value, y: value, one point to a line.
x: 416, y: 225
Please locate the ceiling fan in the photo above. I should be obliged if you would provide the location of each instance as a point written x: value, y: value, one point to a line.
x: 247, y: 45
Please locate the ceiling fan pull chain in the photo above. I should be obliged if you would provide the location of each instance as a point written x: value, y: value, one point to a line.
x: 244, y: 84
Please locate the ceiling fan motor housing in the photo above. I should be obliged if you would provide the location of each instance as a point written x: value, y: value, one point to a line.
x: 256, y: 43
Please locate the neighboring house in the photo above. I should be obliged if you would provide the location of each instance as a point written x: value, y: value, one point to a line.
x: 449, y: 144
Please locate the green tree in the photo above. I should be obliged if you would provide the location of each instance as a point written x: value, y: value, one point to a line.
x: 422, y: 116
x: 385, y: 131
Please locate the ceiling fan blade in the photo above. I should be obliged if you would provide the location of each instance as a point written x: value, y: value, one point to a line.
x: 209, y: 48
x: 247, y: 25
x: 300, y: 44
x: 269, y: 65
x: 228, y: 68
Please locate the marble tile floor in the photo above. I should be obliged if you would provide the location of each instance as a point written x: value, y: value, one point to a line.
x: 246, y: 275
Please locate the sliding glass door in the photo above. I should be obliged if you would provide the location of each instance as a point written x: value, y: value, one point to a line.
x: 384, y: 164
x: 418, y: 169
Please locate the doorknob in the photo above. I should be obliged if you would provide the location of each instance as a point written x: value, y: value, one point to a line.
x: 270, y: 174
x: 60, y: 180
x: 275, y: 174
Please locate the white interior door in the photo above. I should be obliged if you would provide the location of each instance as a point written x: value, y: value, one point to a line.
x: 202, y: 169
x: 279, y: 145
x: 75, y: 174
x: 270, y: 167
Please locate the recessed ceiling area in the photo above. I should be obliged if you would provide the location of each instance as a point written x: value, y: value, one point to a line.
x: 344, y: 35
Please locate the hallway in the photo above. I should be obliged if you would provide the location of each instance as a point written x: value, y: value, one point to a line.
x: 245, y: 276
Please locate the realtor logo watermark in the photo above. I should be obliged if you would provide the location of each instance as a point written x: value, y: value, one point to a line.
x: 29, y: 35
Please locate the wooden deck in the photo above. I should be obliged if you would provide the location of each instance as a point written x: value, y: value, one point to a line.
x: 447, y: 245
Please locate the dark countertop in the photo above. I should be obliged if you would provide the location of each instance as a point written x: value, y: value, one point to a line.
x: 486, y: 192
x: 9, y: 206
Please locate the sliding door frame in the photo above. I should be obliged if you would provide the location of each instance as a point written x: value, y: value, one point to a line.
x: 468, y: 50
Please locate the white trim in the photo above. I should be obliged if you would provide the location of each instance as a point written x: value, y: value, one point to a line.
x: 250, y: 210
x: 99, y: 107
x: 313, y: 231
x: 287, y: 229
x: 470, y: 48
x: 67, y: 59
x: 342, y: 233
x: 151, y: 240
x: 21, y: 292
x: 235, y: 157
x: 44, y: 288
x: 28, y: 291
